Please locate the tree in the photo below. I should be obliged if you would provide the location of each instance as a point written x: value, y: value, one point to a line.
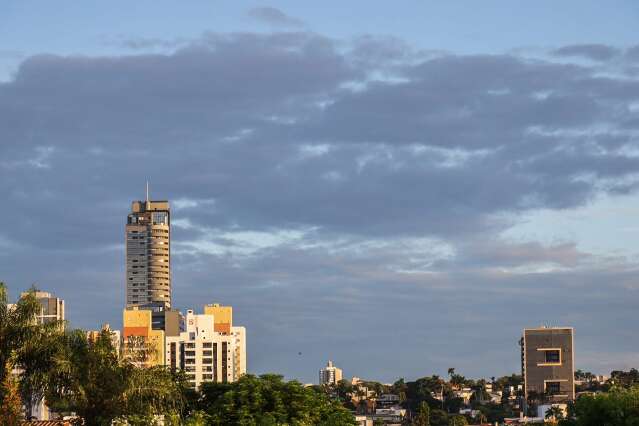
x: 457, y: 420
x: 438, y: 418
x: 423, y: 415
x: 11, y: 407
x: 619, y: 407
x: 554, y: 413
x: 25, y: 345
x: 87, y: 378
x: 269, y: 400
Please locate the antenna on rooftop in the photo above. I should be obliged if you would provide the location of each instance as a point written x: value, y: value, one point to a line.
x: 147, y: 205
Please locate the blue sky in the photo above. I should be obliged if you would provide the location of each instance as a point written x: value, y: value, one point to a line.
x: 354, y: 178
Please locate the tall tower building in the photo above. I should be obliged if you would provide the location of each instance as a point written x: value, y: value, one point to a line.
x: 148, y: 254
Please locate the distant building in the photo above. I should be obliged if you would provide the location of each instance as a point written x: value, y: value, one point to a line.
x: 206, y: 354
x: 148, y: 253
x: 52, y: 307
x: 547, y: 359
x: 330, y: 374
x: 139, y: 338
x: 116, y: 337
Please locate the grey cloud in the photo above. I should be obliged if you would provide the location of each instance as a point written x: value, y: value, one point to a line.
x: 596, y: 52
x: 359, y: 147
x: 274, y: 16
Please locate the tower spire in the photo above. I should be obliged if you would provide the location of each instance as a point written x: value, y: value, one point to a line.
x: 148, y: 203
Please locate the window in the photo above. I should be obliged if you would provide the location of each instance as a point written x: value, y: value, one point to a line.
x: 206, y: 345
x: 207, y: 361
x: 553, y: 388
x: 207, y: 377
x: 189, y: 345
x: 207, y: 353
x: 189, y: 353
x: 553, y: 356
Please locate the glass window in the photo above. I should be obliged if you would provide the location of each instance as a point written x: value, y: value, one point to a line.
x: 553, y: 356
x: 553, y: 388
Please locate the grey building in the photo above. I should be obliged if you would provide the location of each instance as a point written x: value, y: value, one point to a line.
x: 148, y: 254
x: 548, y: 364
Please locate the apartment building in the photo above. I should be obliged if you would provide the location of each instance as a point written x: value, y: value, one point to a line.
x: 205, y: 353
x: 148, y: 253
x: 330, y: 374
x: 141, y: 344
x: 547, y: 360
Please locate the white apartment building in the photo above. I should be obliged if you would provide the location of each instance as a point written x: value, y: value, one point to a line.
x: 330, y: 374
x: 206, y: 355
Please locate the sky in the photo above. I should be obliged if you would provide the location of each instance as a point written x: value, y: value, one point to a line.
x: 400, y: 188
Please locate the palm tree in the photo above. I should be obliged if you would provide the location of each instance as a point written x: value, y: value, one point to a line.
x: 554, y: 413
x: 25, y: 344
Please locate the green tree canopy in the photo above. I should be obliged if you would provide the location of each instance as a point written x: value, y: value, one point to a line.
x: 269, y: 400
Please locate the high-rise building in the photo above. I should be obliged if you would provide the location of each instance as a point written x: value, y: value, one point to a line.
x: 148, y: 254
x: 330, y: 375
x: 207, y: 355
x: 547, y: 360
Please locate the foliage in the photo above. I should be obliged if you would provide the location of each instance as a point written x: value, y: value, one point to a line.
x: 438, y: 418
x: 422, y: 418
x: 269, y: 400
x: 625, y: 379
x: 457, y: 420
x: 88, y: 378
x: 619, y: 407
x: 554, y: 413
x: 21, y: 343
x: 11, y: 408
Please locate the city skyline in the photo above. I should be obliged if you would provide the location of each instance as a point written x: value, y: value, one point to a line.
x: 404, y: 178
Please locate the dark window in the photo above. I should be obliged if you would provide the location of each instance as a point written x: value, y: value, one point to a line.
x: 553, y: 388
x: 552, y: 356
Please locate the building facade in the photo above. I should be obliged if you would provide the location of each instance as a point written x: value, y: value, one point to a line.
x: 330, y: 374
x: 148, y: 254
x: 141, y: 344
x: 52, y: 308
x: 207, y: 355
x: 547, y: 359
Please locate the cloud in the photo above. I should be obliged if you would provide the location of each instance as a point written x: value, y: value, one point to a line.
x: 321, y: 185
x: 275, y: 17
x: 595, y: 52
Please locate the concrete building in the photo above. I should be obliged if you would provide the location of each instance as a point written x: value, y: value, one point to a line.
x: 547, y: 360
x: 148, y: 253
x: 143, y: 345
x: 330, y: 374
x: 206, y: 350
x: 52, y: 307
